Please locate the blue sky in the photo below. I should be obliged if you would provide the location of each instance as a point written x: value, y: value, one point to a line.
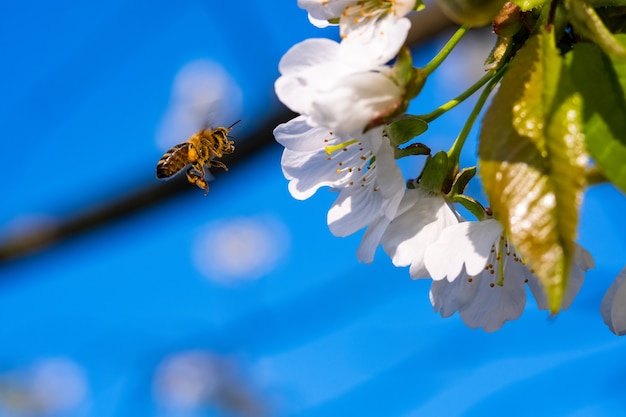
x: 247, y: 283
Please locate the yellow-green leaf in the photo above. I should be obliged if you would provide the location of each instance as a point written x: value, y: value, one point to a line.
x: 587, y: 22
x: 601, y: 82
x: 526, y: 5
x: 607, y: 3
x: 532, y: 161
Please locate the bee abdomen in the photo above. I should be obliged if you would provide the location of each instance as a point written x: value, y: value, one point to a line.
x: 173, y: 161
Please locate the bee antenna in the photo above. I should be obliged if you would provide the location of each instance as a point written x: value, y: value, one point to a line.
x: 231, y: 126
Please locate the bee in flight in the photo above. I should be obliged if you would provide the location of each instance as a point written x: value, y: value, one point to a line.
x: 199, y: 151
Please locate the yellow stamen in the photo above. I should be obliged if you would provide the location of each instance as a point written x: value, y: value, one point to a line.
x: 501, y: 262
x: 330, y: 149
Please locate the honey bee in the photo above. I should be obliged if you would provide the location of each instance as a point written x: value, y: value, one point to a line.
x: 199, y: 151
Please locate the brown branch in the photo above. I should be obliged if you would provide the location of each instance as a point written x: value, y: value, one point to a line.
x: 425, y: 25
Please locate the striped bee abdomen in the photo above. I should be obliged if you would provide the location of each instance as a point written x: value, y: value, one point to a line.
x: 173, y: 161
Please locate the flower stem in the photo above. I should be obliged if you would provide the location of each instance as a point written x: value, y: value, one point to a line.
x: 445, y: 51
x: 459, y: 99
x: 594, y: 176
x: 455, y: 150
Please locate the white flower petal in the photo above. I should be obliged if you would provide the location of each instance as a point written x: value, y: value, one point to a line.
x: 372, y: 192
x: 314, y: 157
x: 374, y: 45
x: 613, y: 306
x: 298, y: 135
x: 292, y: 92
x: 371, y: 239
x: 470, y: 242
x: 583, y: 258
x: 307, y: 67
x: 307, y: 172
x: 421, y: 218
x: 389, y: 180
x: 310, y: 53
x: 353, y: 211
x: 343, y: 95
x: 492, y: 288
x: 363, y: 169
x: 320, y: 23
x: 325, y: 9
x: 480, y: 300
x: 493, y: 304
x: 402, y: 7
x: 351, y: 102
x: 448, y: 297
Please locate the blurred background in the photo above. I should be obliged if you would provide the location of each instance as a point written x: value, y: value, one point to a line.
x: 124, y: 296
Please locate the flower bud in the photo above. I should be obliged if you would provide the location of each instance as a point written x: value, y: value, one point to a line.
x: 508, y: 21
x: 471, y: 12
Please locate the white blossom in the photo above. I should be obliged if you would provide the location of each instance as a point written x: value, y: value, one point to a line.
x: 334, y: 91
x: 362, y: 168
x: 422, y: 216
x: 613, y: 306
x: 371, y: 30
x: 478, y: 273
x: 325, y: 10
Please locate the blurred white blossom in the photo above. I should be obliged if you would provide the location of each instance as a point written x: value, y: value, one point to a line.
x: 613, y: 306
x: 203, y: 93
x: 189, y: 381
x: 50, y: 386
x: 238, y: 249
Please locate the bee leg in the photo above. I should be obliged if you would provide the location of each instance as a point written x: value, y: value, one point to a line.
x: 197, y: 178
x: 219, y: 164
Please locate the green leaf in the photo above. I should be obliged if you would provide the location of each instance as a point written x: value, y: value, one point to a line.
x: 532, y: 162
x: 471, y: 205
x: 587, y: 23
x: 411, y: 150
x: 415, y: 85
x: 527, y: 5
x: 403, y: 68
x: 606, y: 3
x: 435, y: 171
x: 619, y: 64
x: 404, y: 130
x: 462, y: 179
x: 602, y: 83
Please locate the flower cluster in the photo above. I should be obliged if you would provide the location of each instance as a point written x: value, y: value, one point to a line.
x: 350, y: 131
x: 339, y: 89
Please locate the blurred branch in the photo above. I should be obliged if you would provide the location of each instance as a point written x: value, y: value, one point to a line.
x: 425, y: 25
x: 157, y: 191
